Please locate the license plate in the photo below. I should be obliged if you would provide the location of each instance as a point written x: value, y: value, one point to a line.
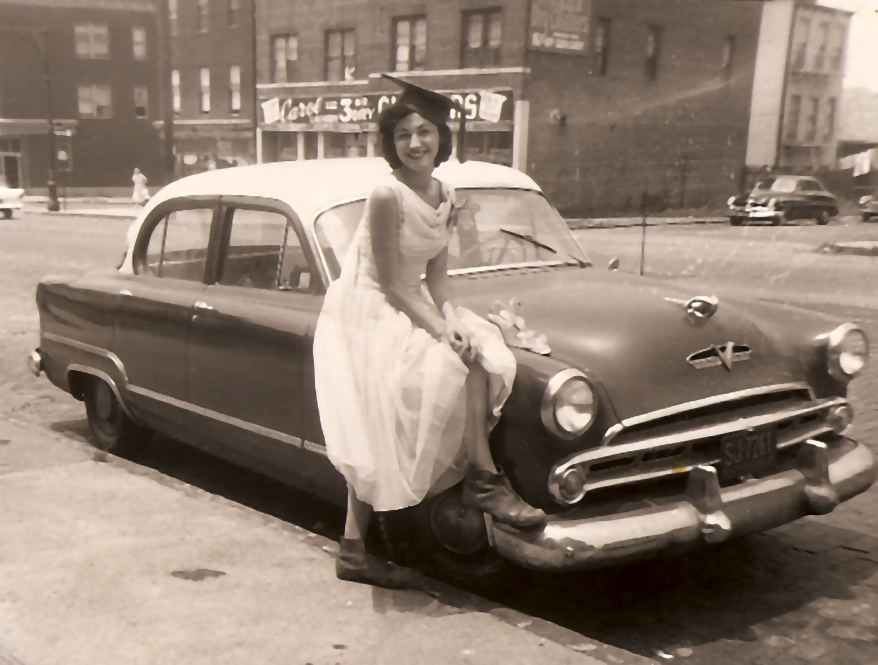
x: 747, y: 453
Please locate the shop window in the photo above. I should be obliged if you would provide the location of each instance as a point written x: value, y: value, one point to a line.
x: 494, y: 147
x: 173, y: 28
x: 235, y: 89
x: 141, y: 101
x: 204, y: 80
x: 831, y: 111
x: 728, y: 61
x: 481, y: 36
x: 138, y: 41
x: 811, y: 134
x: 233, y: 10
x: 284, y: 55
x: 310, y: 145
x: 341, y: 54
x: 287, y: 146
x: 410, y: 43
x: 793, y: 113
x: 333, y: 145
x: 92, y: 41
x: 176, y: 99
x: 653, y: 50
x: 95, y: 101
x: 203, y: 16
x: 602, y: 47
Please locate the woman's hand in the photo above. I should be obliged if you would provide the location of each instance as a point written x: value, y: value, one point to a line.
x: 459, y: 338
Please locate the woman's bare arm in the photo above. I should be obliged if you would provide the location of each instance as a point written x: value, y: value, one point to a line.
x: 384, y: 216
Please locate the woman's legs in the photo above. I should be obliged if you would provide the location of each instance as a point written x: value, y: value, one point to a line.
x: 357, y: 520
x: 485, y: 488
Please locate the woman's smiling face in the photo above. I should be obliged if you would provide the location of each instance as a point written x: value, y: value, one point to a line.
x: 417, y: 142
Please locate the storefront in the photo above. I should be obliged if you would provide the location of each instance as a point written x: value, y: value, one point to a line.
x: 337, y: 126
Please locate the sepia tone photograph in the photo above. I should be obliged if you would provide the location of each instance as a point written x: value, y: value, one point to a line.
x: 421, y: 332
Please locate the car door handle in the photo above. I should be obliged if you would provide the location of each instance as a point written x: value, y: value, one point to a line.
x: 200, y: 304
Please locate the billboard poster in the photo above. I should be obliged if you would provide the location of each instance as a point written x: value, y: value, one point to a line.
x: 560, y: 26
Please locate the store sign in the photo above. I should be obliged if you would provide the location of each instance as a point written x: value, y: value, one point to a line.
x: 364, y: 110
x: 560, y: 26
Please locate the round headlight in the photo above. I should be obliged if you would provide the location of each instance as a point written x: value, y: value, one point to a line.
x: 571, y: 487
x: 569, y: 405
x: 731, y: 200
x: 846, y: 351
x: 864, y: 200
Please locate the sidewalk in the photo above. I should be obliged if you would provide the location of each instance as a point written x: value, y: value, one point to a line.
x: 117, y: 208
x: 104, y: 562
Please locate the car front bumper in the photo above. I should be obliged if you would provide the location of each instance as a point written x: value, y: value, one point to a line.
x: 707, y: 513
x: 758, y: 214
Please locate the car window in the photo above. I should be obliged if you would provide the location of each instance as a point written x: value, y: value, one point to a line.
x: 264, y: 252
x: 177, y: 246
x: 785, y: 185
x: 807, y: 186
x: 495, y: 227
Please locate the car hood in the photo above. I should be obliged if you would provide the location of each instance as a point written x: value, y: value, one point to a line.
x: 629, y: 334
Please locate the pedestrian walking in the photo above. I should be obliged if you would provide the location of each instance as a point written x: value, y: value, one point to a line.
x: 409, y: 385
x: 141, y: 192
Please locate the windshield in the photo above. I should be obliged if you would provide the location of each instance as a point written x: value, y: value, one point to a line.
x: 785, y: 185
x: 495, y: 228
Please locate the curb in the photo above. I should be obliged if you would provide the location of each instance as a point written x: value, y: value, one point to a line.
x: 857, y: 248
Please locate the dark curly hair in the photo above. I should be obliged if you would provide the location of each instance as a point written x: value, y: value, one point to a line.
x: 387, y: 120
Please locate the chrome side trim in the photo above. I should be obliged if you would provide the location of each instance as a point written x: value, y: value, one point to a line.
x: 88, y: 348
x: 216, y: 415
x: 614, y: 431
x: 314, y: 447
x: 103, y: 376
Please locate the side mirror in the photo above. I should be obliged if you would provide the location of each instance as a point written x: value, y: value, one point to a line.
x: 614, y: 264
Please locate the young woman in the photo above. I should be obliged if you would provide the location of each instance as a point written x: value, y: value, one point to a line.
x: 409, y: 386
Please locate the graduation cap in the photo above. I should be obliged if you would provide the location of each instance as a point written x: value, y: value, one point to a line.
x: 432, y: 106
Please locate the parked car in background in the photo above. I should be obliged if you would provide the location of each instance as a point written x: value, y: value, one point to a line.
x: 10, y: 199
x: 869, y: 206
x: 643, y: 418
x: 779, y: 199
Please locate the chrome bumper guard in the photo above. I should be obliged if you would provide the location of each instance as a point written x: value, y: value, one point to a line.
x: 707, y: 513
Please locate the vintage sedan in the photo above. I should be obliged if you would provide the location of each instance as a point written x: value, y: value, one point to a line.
x: 783, y: 198
x: 10, y: 199
x: 869, y: 206
x: 643, y: 418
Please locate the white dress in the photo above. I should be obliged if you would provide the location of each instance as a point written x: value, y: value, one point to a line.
x: 391, y: 397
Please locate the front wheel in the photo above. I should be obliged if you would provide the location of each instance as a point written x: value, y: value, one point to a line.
x: 111, y: 428
x: 736, y: 221
x: 7, y: 214
x: 447, y: 541
x: 823, y: 217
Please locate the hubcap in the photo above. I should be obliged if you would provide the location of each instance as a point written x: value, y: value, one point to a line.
x: 104, y: 401
x: 459, y: 529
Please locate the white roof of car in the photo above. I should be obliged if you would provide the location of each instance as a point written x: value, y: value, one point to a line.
x: 311, y: 186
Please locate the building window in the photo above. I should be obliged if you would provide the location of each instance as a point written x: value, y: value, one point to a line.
x: 172, y: 17
x: 410, y: 43
x: 138, y: 40
x: 653, y: 49
x: 203, y: 15
x: 341, y: 54
x: 820, y: 57
x: 481, y: 36
x: 232, y: 11
x: 176, y: 100
x: 235, y: 89
x: 95, y: 101
x: 92, y: 41
x: 204, y: 77
x: 837, y: 48
x: 728, y: 62
x: 602, y: 47
x: 811, y: 134
x: 800, y: 44
x: 831, y: 110
x: 793, y: 113
x: 284, y: 54
x: 141, y: 101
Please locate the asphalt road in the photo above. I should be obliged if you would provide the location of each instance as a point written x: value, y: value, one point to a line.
x: 807, y: 592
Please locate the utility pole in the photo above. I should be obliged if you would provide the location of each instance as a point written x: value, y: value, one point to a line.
x: 40, y: 47
x: 165, y: 93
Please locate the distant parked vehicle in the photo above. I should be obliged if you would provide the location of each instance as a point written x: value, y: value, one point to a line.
x: 782, y: 198
x: 869, y: 206
x: 10, y: 199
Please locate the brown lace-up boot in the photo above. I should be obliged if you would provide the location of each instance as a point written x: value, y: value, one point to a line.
x: 355, y: 564
x: 492, y: 494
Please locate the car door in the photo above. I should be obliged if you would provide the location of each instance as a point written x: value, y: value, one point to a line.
x: 250, y: 339
x: 155, y: 309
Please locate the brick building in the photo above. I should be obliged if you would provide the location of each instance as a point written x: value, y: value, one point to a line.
x: 606, y: 103
x: 212, y: 81
x: 101, y: 60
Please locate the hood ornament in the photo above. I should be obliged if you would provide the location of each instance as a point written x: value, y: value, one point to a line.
x: 720, y: 354
x: 699, y: 307
x: 515, y: 331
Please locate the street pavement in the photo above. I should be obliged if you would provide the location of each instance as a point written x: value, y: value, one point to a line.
x: 804, y: 593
